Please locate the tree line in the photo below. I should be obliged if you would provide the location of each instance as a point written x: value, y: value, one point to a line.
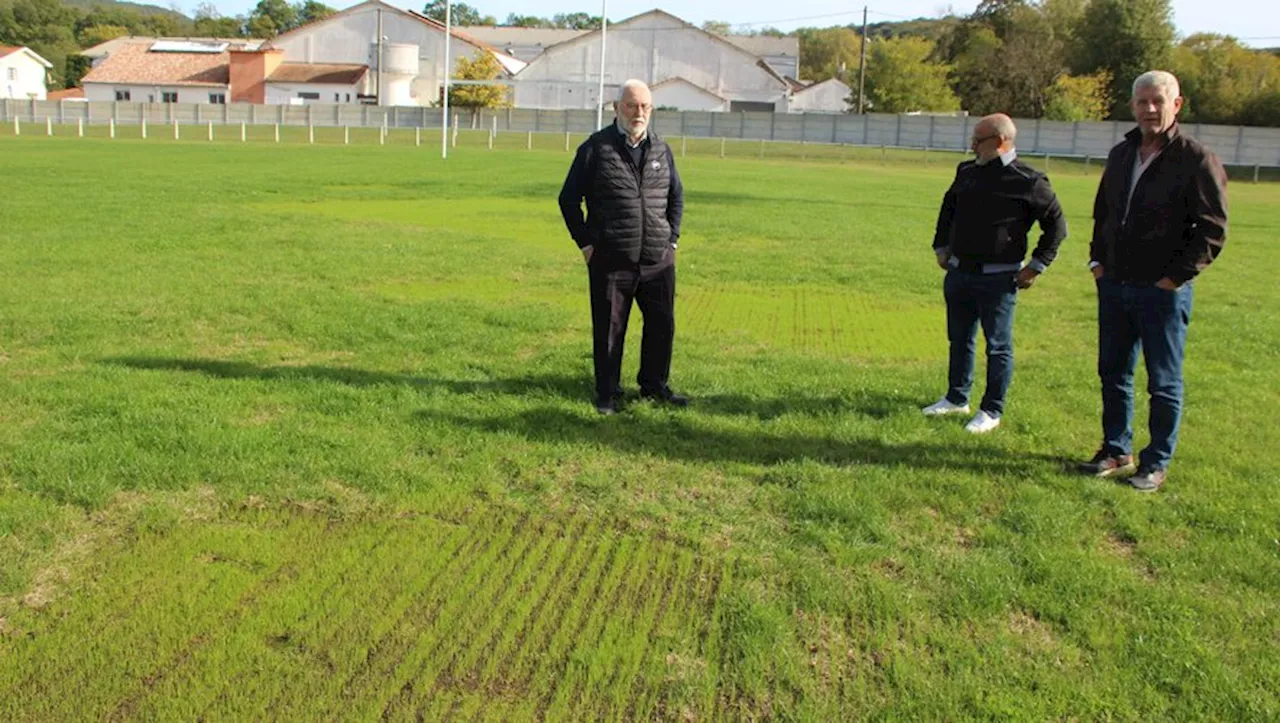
x: 1055, y: 59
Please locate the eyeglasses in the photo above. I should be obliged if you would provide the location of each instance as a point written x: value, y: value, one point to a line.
x: 984, y: 139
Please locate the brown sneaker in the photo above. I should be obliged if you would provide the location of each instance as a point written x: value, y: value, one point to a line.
x: 1148, y: 479
x: 1105, y: 464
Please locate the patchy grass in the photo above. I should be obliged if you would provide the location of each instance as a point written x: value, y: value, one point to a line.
x: 305, y: 432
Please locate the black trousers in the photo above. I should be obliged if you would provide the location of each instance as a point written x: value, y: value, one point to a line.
x: 613, y: 287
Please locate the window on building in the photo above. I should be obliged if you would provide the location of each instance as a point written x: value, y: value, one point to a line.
x: 337, y: 97
x: 348, y: 97
x: 218, y: 98
x: 13, y: 73
x: 309, y: 96
x: 122, y: 95
x: 167, y: 97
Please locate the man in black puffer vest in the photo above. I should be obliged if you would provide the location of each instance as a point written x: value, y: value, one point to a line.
x: 981, y: 242
x: 627, y: 175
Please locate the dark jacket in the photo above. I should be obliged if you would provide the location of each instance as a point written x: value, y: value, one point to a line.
x: 1177, y: 224
x: 635, y: 200
x: 987, y: 214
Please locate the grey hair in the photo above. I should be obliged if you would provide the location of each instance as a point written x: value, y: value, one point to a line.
x: 1160, y: 80
x: 632, y: 84
x: 1003, y: 125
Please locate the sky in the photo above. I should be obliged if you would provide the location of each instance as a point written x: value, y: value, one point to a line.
x: 1255, y: 22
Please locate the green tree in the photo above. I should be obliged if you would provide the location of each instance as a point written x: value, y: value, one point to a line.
x: 97, y: 34
x: 901, y: 78
x: 527, y: 21
x: 262, y: 26
x: 481, y: 66
x: 1262, y: 109
x: 977, y: 75
x: 576, y: 21
x: 208, y: 22
x: 717, y: 27
x: 460, y: 13
x: 1219, y: 77
x: 272, y: 17
x: 310, y: 11
x: 1125, y: 38
x: 828, y: 52
x: 1079, y: 98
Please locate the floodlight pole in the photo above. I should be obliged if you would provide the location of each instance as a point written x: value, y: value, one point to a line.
x: 448, y: 35
x: 604, y: 28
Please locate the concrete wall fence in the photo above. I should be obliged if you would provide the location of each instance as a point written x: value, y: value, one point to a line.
x: 1236, y: 145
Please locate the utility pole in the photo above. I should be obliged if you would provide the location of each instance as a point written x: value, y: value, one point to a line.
x: 862, y: 63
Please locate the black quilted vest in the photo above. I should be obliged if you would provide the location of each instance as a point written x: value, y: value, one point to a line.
x: 627, y: 206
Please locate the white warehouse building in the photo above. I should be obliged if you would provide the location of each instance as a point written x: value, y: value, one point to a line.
x: 688, y: 68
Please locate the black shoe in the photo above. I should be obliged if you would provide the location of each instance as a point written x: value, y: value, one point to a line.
x: 609, y: 407
x: 666, y: 396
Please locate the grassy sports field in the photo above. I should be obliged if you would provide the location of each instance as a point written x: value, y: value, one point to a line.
x: 300, y: 432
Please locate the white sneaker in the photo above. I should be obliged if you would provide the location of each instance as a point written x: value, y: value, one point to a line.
x: 982, y: 423
x: 942, y: 406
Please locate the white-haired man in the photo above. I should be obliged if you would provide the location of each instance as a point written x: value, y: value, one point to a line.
x: 1160, y: 217
x: 635, y: 203
x: 981, y: 242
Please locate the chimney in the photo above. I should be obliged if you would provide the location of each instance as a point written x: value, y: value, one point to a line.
x: 249, y: 72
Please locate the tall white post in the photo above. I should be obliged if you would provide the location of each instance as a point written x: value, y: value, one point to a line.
x: 604, y: 29
x: 448, y: 71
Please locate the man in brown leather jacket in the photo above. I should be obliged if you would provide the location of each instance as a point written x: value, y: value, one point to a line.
x: 1160, y: 218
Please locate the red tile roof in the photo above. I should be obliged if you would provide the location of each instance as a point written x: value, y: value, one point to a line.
x: 65, y: 94
x: 136, y: 65
x: 335, y: 73
x: 6, y: 50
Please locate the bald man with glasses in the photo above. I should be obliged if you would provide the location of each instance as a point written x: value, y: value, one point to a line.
x: 981, y: 243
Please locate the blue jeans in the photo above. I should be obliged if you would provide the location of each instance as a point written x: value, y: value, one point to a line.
x: 1133, y: 317
x: 987, y: 299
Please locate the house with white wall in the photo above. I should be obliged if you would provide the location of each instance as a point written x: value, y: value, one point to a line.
x: 828, y: 96
x: 161, y: 73
x: 23, y: 74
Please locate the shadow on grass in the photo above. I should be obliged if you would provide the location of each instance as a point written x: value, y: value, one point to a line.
x: 567, y: 386
x: 685, y: 436
x: 690, y: 435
